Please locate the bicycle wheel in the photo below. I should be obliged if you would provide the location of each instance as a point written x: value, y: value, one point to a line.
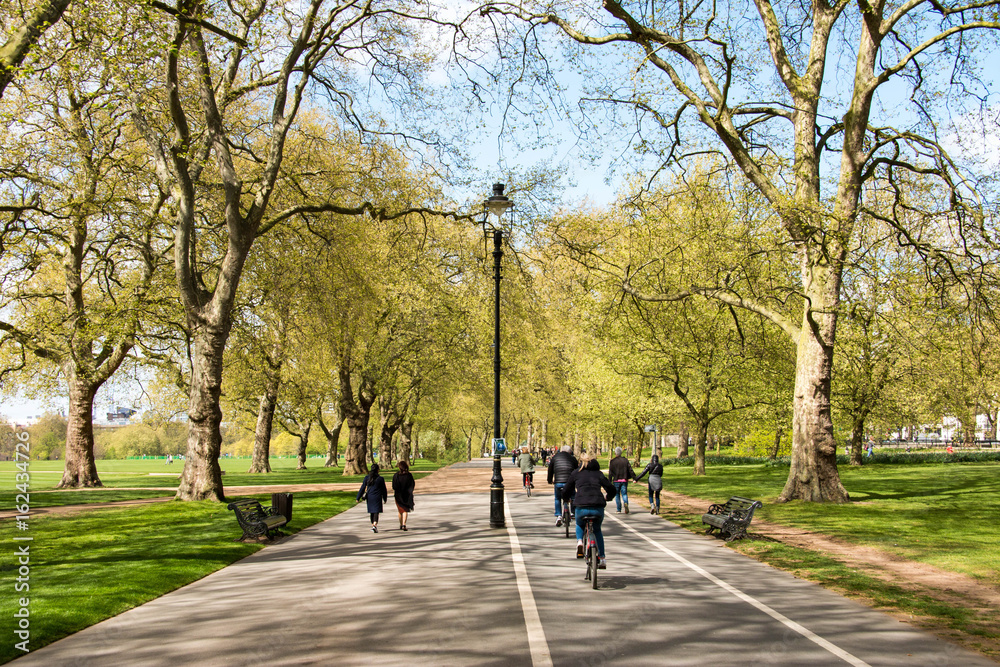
x: 586, y: 540
x: 592, y: 563
x: 527, y: 488
x: 566, y: 520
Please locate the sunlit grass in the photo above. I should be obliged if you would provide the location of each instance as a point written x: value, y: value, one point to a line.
x: 941, y: 514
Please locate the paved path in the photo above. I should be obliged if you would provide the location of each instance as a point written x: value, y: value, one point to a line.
x: 452, y: 591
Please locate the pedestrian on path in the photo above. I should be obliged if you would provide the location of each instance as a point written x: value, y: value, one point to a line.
x: 590, y: 490
x: 655, y: 470
x: 402, y: 492
x: 374, y: 491
x: 620, y: 471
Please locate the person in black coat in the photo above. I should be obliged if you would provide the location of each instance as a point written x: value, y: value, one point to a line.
x: 402, y: 492
x: 592, y: 491
x: 374, y: 491
x: 561, y: 466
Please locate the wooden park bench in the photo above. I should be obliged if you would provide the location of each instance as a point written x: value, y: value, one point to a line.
x: 256, y: 521
x: 732, y: 518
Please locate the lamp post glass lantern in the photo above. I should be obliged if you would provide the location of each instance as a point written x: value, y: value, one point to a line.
x: 654, y: 429
x: 498, y: 205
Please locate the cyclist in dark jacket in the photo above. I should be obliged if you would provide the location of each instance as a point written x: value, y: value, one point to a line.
x: 655, y: 470
x: 561, y: 465
x: 592, y: 490
x: 620, y: 471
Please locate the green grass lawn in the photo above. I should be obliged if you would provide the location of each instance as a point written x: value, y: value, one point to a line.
x: 90, y: 566
x: 7, y: 500
x: 148, y: 473
x: 941, y: 514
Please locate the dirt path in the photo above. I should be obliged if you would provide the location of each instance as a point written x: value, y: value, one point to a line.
x: 957, y: 588
x: 444, y: 480
x: 455, y: 480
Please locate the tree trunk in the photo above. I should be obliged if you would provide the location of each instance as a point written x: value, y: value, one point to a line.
x: 777, y: 443
x: 386, y: 434
x: 202, y: 476
x: 357, y: 413
x: 701, y: 440
x: 545, y: 432
x: 405, y: 440
x: 21, y: 39
x: 260, y: 460
x: 857, y: 439
x: 640, y: 444
x: 332, y: 435
x: 356, y: 456
x: 303, y: 444
x: 592, y: 444
x: 813, y: 474
x: 682, y: 448
x: 332, y: 449
x: 485, y: 445
x: 80, y: 469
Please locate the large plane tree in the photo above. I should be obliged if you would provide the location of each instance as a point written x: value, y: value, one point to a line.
x: 227, y: 88
x: 820, y: 105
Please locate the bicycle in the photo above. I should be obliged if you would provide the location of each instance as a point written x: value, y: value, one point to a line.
x: 590, y: 553
x: 527, y: 483
x: 566, y: 516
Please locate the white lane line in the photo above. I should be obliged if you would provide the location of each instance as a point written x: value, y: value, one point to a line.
x: 789, y: 623
x: 537, y: 644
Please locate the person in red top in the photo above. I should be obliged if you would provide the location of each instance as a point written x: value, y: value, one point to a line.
x: 620, y: 471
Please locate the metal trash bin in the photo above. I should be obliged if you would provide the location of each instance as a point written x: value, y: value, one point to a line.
x: 281, y: 503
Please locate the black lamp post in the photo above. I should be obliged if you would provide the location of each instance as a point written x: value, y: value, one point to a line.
x: 497, y: 205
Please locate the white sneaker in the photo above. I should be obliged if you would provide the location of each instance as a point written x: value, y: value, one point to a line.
x: 579, y: 549
x: 602, y: 564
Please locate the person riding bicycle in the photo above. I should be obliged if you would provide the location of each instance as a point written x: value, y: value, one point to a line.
x: 561, y: 466
x: 655, y: 470
x: 526, y: 462
x: 593, y: 491
x: 620, y: 471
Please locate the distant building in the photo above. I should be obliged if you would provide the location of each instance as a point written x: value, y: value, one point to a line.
x: 121, y: 415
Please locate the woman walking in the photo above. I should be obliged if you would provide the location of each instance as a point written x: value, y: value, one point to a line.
x: 374, y: 491
x: 402, y: 492
x: 655, y: 470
